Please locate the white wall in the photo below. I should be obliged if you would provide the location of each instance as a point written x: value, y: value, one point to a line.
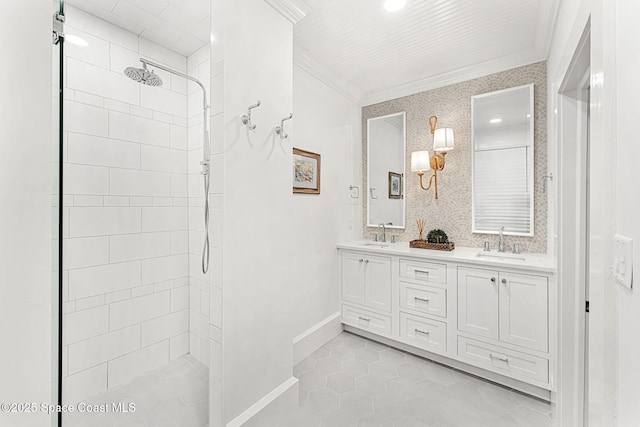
x: 26, y: 151
x: 257, y: 198
x: 277, y: 254
x: 251, y: 333
x: 327, y: 123
x: 198, y: 65
x: 126, y: 240
x: 627, y: 205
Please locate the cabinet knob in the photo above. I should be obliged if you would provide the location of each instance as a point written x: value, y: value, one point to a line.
x: 366, y: 261
x: 493, y: 280
x: 504, y: 281
x: 360, y: 260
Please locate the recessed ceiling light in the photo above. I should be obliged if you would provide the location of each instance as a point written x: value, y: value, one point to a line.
x: 494, y: 121
x: 394, y: 5
x: 78, y: 41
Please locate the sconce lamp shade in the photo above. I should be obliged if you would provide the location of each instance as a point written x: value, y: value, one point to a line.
x: 420, y: 161
x: 443, y: 139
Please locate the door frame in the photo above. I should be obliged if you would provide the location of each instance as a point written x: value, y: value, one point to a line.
x: 573, y: 195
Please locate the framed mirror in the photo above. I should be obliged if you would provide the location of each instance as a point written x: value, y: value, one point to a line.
x: 502, y: 149
x: 386, y: 144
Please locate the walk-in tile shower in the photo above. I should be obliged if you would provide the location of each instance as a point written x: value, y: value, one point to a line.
x: 134, y: 282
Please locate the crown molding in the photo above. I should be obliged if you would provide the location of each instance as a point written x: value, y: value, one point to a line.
x: 293, y: 10
x: 457, y: 76
x: 303, y: 60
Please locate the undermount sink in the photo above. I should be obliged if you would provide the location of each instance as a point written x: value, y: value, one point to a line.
x: 375, y: 244
x: 501, y: 256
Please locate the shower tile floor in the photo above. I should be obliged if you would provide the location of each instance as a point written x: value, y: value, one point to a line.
x: 352, y: 381
x: 175, y: 395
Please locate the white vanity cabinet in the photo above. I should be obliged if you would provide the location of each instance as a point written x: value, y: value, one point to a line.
x: 366, y: 288
x: 504, y: 306
x: 489, y: 318
x: 366, y: 280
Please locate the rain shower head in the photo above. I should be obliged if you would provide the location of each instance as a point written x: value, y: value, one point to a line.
x: 142, y: 75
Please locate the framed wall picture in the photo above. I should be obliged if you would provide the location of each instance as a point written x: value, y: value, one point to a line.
x: 395, y: 185
x: 306, y: 172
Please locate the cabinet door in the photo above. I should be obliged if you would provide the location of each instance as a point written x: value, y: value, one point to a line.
x: 352, y: 277
x: 377, y: 273
x: 524, y: 310
x: 478, y: 301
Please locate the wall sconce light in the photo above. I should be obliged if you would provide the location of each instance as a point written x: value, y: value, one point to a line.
x: 422, y: 162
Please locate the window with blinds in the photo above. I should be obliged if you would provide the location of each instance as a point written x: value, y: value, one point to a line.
x: 503, y: 161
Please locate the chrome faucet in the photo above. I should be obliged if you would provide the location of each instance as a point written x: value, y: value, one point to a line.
x: 501, y: 240
x: 384, y: 232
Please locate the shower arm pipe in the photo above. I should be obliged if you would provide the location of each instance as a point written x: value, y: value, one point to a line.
x: 179, y: 74
x: 206, y: 153
x: 205, y: 105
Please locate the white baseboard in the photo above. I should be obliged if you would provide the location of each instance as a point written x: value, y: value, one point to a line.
x: 315, y: 337
x: 272, y: 409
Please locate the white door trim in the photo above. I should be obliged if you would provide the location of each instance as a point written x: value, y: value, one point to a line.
x: 572, y: 250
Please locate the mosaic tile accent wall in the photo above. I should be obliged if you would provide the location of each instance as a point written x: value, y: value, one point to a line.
x: 452, y: 104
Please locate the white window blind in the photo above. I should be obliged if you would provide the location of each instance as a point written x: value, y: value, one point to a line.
x: 501, y: 190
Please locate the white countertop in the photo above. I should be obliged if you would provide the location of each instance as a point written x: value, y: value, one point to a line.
x: 528, y: 261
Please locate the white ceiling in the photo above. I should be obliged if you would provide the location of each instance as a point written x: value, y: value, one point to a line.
x: 180, y: 25
x: 429, y: 43
x: 370, y: 54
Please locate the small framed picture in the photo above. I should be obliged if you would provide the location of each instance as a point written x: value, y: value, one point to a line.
x: 306, y: 172
x: 395, y: 185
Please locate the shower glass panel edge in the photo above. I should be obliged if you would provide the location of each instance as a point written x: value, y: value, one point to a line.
x: 57, y: 207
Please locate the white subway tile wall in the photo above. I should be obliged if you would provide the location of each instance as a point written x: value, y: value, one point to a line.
x: 128, y: 246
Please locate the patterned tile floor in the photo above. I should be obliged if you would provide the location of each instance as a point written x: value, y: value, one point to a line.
x: 176, y: 395
x: 349, y: 382
x: 352, y: 381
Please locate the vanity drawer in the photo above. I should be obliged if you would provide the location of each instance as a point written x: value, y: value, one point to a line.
x: 426, y: 299
x: 367, y: 320
x: 423, y: 333
x: 423, y: 271
x: 508, y: 362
